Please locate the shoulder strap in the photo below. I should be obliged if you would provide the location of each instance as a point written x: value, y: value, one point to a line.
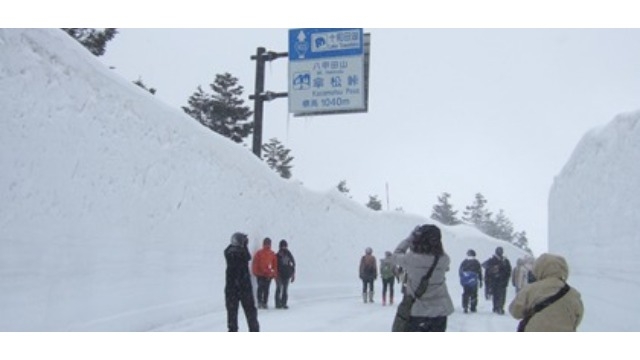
x: 543, y: 304
x: 422, y: 287
x: 550, y: 300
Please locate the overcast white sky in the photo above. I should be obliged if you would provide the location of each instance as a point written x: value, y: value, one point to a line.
x: 496, y: 111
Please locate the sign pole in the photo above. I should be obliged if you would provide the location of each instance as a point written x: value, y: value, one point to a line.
x: 258, y: 102
x: 260, y: 96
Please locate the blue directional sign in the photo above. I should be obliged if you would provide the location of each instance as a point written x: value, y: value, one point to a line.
x: 326, y: 71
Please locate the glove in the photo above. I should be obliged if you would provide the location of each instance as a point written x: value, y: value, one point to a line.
x: 293, y: 278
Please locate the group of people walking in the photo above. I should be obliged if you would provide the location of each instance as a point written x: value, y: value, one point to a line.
x: 543, y: 302
x: 537, y: 284
x: 266, y: 266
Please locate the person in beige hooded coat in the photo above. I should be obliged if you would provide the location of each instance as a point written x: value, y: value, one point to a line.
x: 565, y: 314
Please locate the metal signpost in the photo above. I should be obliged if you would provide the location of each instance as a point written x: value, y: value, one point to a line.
x: 326, y: 71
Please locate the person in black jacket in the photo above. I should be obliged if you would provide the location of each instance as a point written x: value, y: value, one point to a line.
x: 238, y: 289
x: 498, y: 275
x: 286, y: 274
x: 470, y: 272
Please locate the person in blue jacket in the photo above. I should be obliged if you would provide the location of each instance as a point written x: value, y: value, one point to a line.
x: 470, y: 273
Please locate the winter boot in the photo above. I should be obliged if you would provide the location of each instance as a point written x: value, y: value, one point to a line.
x: 371, y: 296
x: 364, y: 297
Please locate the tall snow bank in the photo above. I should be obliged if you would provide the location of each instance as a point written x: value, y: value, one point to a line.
x: 594, y: 220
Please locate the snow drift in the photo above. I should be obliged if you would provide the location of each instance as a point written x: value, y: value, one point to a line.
x: 594, y: 222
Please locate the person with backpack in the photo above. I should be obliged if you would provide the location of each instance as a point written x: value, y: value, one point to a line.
x: 265, y: 268
x: 470, y: 272
x: 425, y: 260
x: 286, y: 274
x: 497, y: 275
x: 237, y: 288
x: 549, y: 303
x: 368, y: 274
x: 389, y: 272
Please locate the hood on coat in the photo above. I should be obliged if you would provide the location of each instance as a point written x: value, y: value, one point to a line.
x: 551, y: 266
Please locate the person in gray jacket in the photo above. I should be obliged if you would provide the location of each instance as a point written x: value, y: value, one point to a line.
x: 415, y: 255
x: 565, y: 314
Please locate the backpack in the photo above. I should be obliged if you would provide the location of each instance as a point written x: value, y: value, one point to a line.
x: 369, y: 266
x: 468, y: 278
x: 285, y: 264
x: 386, y: 270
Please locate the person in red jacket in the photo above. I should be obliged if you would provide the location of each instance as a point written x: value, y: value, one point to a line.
x: 265, y: 268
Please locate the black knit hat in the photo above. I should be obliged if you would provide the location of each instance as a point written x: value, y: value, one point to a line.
x: 471, y: 252
x: 426, y: 238
x: 283, y: 243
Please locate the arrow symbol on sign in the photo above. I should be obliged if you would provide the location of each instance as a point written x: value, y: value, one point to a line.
x: 301, y: 45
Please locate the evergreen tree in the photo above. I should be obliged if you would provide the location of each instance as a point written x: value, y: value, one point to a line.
x: 94, y: 40
x: 502, y: 227
x: 477, y: 214
x: 142, y: 85
x: 443, y: 212
x: 342, y: 187
x: 520, y: 240
x: 374, y: 203
x: 223, y: 110
x: 277, y: 157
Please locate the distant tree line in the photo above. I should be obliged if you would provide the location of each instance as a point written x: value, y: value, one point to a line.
x: 476, y: 214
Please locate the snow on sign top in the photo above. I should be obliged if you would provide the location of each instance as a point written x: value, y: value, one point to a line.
x: 323, y: 43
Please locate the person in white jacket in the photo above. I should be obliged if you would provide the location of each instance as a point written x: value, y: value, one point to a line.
x: 430, y: 311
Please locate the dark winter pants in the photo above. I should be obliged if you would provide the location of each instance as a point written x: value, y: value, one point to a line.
x: 470, y: 297
x: 428, y: 324
x: 263, y: 290
x: 233, y: 299
x: 499, y: 297
x: 387, y: 283
x: 282, y: 293
x: 367, y: 283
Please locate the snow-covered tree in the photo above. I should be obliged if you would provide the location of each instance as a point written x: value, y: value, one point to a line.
x: 503, y: 227
x: 94, y: 40
x: 520, y: 240
x: 477, y: 214
x: 277, y: 157
x: 443, y: 211
x: 223, y: 110
x: 374, y: 203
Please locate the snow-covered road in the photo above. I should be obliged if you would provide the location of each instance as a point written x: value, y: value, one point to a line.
x: 340, y: 309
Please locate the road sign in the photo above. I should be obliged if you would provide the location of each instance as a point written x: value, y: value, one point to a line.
x: 326, y: 71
